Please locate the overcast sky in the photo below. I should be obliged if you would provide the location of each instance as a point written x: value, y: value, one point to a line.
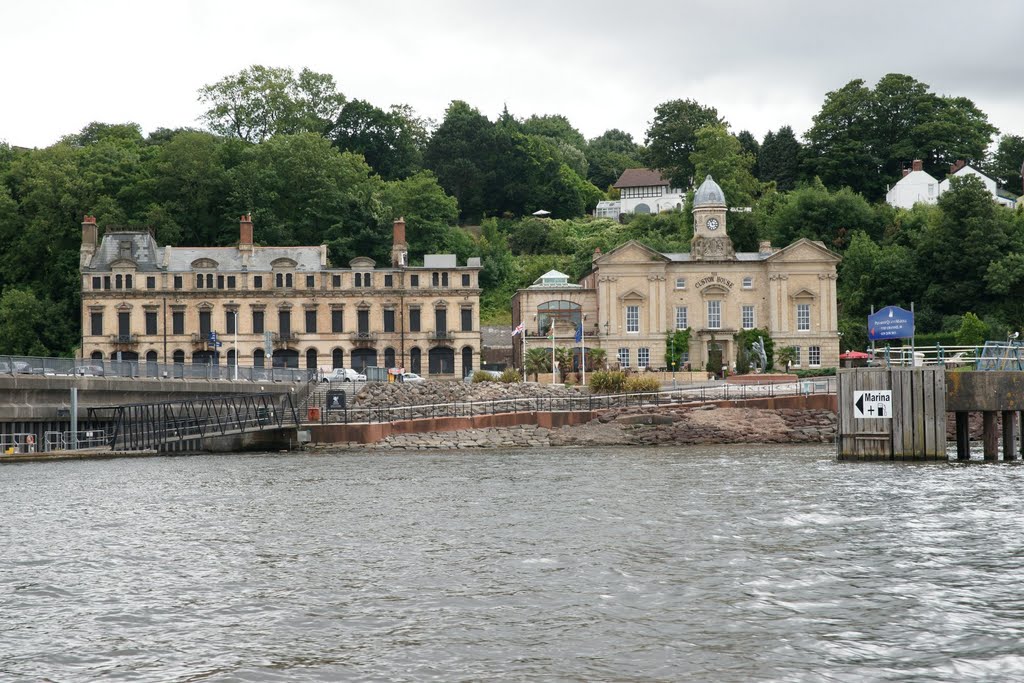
x: 761, y: 63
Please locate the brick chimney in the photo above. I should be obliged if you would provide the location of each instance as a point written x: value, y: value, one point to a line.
x: 764, y: 247
x: 245, y: 233
x: 90, y: 239
x: 597, y: 254
x: 917, y: 165
x: 906, y: 172
x: 399, y: 247
x: 953, y: 168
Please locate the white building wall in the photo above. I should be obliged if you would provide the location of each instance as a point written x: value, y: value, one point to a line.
x: 917, y: 186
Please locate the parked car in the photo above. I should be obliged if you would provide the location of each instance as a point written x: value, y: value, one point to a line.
x: 410, y: 377
x: 468, y: 379
x: 344, y: 375
x: 89, y: 370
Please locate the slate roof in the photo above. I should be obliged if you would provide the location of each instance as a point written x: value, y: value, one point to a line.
x: 230, y: 259
x: 640, y: 177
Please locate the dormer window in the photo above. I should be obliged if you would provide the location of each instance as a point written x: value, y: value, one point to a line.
x: 124, y: 249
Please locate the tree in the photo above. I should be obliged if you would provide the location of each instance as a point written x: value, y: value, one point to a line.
x: 28, y: 327
x: 259, y: 102
x: 457, y: 154
x: 672, y: 138
x: 744, y: 342
x: 972, y: 331
x: 430, y: 214
x: 749, y: 145
x: 839, y: 141
x: 677, y: 343
x: 719, y: 154
x: 596, y: 359
x: 386, y: 139
x: 785, y: 357
x: 608, y: 155
x: 1007, y: 163
x: 817, y: 214
x: 779, y: 159
x: 564, y: 358
x: 538, y: 360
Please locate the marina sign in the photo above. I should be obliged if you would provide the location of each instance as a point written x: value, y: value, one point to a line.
x: 872, y: 404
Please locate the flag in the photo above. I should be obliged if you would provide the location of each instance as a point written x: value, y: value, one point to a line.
x: 579, y: 334
x: 519, y: 329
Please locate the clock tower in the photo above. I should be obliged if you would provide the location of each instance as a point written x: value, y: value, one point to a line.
x: 710, y: 239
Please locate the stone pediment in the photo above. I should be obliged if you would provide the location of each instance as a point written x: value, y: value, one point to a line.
x: 804, y: 250
x: 123, y: 264
x: 631, y: 252
x: 283, y: 262
x: 803, y: 293
x: 714, y: 290
x: 203, y: 263
x: 362, y: 262
x: 632, y: 295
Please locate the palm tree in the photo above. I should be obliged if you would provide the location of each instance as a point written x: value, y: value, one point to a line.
x: 538, y: 360
x: 785, y: 356
x: 596, y: 359
x: 564, y: 358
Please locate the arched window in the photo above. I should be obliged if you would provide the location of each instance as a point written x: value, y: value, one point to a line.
x: 337, y: 358
x: 127, y: 281
x: 467, y: 360
x: 359, y: 279
x: 97, y: 355
x: 414, y: 360
x: 311, y: 359
x: 257, y: 358
x: 151, y: 356
x: 178, y: 356
x: 565, y: 314
x: 199, y: 281
x: 117, y: 281
x: 231, y: 358
x: 389, y: 357
x: 288, y: 280
x: 279, y: 280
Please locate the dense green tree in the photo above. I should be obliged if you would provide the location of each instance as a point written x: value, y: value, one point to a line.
x: 430, y: 215
x: 813, y: 212
x: 386, y: 139
x: 1007, y: 163
x: 874, y: 276
x: 839, y: 141
x: 28, y: 326
x: 556, y: 127
x: 750, y: 145
x: 259, y: 102
x: 609, y: 154
x: 779, y: 159
x: 672, y: 138
x: 972, y: 331
x: 718, y: 153
x: 457, y: 153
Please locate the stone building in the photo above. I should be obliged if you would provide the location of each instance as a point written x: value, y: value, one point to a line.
x: 280, y: 306
x: 633, y: 296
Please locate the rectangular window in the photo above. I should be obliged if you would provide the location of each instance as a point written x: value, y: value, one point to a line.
x: 257, y: 322
x: 389, y: 320
x: 748, y: 282
x: 681, y: 318
x: 220, y: 282
x: 643, y: 357
x: 310, y: 281
x: 714, y: 315
x: 680, y: 283
x: 363, y: 321
x: 106, y: 282
x: 150, y: 282
x: 209, y: 280
x: 796, y: 356
x: 96, y: 320
x: 389, y: 280
x: 632, y: 318
x: 748, y: 317
x: 414, y: 280
x: 230, y: 317
x: 199, y: 281
x: 803, y: 317
x: 124, y: 325
x: 311, y: 321
x: 204, y: 324
x: 178, y: 322
x: 435, y: 279
x: 441, y: 321
x: 336, y: 281
x: 177, y: 282
x: 284, y: 324
x: 231, y: 282
x: 466, y: 280
x: 814, y: 356
x: 150, y: 322
x: 467, y: 319
x: 623, y: 357
x: 337, y: 320
x: 444, y: 279
x: 257, y: 282
x: 97, y: 282
x: 414, y: 320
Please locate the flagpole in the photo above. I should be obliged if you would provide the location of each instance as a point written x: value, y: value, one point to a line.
x: 523, y: 335
x: 583, y: 355
x: 553, y: 380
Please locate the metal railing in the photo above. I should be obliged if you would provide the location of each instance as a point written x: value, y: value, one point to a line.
x: 92, y: 367
x: 714, y: 391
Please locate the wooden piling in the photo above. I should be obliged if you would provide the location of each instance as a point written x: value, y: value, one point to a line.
x: 1009, y: 435
x: 990, y: 435
x: 963, y: 436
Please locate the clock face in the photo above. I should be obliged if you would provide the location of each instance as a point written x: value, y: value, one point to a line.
x: 712, y: 224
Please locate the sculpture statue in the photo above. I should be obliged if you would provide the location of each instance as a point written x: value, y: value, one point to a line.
x: 760, y: 357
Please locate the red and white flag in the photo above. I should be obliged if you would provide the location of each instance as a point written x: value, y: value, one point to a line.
x: 519, y: 329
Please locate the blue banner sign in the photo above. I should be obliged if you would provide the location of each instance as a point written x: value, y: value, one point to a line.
x: 892, y: 322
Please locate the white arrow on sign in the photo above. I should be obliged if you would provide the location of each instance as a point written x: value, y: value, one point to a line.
x: 872, y: 404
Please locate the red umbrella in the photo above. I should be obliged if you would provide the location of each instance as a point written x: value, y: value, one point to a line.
x: 854, y: 355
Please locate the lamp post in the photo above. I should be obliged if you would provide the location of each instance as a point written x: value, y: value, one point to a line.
x: 672, y: 360
x: 234, y: 315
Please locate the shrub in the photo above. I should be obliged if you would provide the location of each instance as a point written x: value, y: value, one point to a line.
x: 510, y: 376
x: 481, y: 376
x: 817, y: 372
x: 607, y: 381
x: 570, y: 380
x: 642, y: 384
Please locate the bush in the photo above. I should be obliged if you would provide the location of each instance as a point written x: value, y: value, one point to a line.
x: 510, y: 376
x: 817, y: 372
x: 607, y: 381
x: 642, y: 384
x: 481, y: 376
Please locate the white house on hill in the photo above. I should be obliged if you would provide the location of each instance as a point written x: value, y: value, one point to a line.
x: 644, y: 190
x: 917, y: 185
x: 960, y: 169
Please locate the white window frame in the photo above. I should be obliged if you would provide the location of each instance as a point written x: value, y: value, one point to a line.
x: 682, y: 317
x: 632, y: 319
x: 680, y: 283
x: 623, y: 355
x: 796, y: 356
x: 748, y: 322
x: 643, y: 357
x: 814, y: 356
x: 714, y: 311
x: 748, y: 282
x: 803, y: 317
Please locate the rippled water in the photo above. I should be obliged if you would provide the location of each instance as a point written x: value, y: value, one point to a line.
x: 713, y: 564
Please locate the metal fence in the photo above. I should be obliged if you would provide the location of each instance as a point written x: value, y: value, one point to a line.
x: 716, y: 391
x: 49, y: 367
